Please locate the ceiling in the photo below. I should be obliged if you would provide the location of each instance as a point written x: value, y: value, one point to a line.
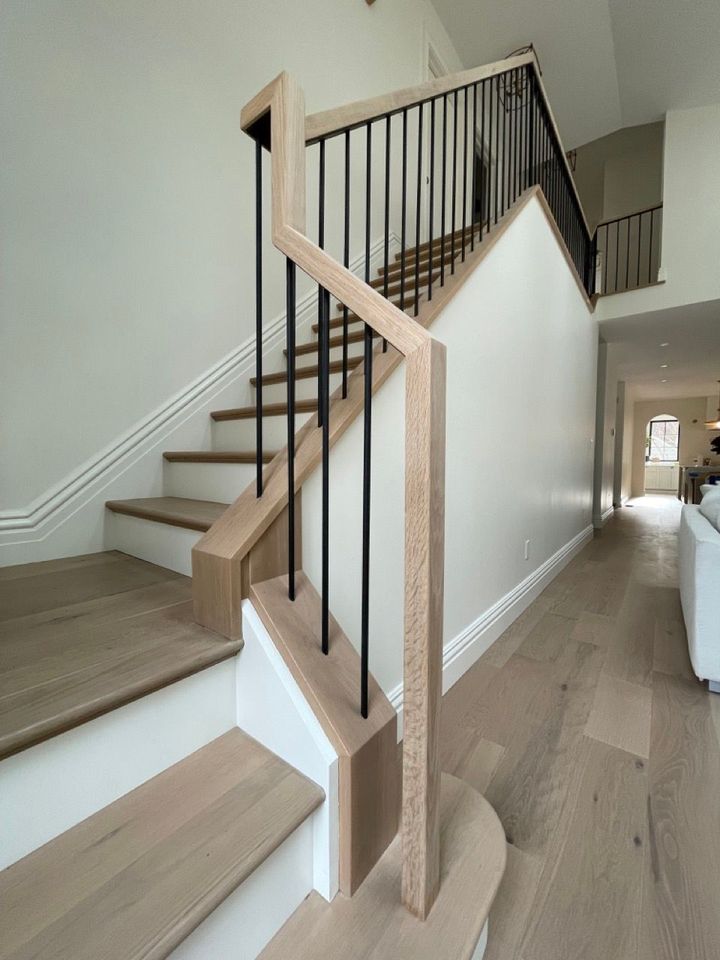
x: 692, y: 354
x: 606, y: 63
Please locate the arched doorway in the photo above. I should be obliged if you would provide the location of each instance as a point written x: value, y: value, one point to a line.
x: 662, y: 454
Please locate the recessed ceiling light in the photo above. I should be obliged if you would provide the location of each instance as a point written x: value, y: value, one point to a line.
x: 663, y: 381
x: 666, y: 344
x: 663, y: 366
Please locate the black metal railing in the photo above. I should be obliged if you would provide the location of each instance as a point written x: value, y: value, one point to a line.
x: 416, y: 189
x: 628, y: 251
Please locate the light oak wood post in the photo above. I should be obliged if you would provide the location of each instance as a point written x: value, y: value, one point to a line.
x: 424, y: 588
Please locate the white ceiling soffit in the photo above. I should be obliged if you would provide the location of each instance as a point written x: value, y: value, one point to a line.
x: 692, y: 354
x: 606, y: 63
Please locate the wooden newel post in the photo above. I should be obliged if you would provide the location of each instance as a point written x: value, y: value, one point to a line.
x: 424, y: 586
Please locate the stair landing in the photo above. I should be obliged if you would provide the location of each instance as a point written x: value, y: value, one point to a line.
x: 84, y: 635
x: 374, y: 925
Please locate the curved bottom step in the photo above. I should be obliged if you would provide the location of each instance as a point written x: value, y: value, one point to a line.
x: 374, y: 925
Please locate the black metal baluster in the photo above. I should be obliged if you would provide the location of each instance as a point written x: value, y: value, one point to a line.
x: 617, y: 252
x: 290, y: 338
x: 346, y: 262
x: 503, y: 171
x: 516, y: 109
x: 639, y: 253
x: 431, y: 204
x: 418, y: 203
x: 652, y: 215
x: 258, y: 321
x: 465, y: 160
x: 321, y: 244
x: 454, y: 183
x: 325, y: 404
x: 606, y: 259
x: 473, y: 188
x: 627, y: 256
x: 443, y: 201
x: 496, y: 99
x: 403, y: 210
x: 483, y: 167
x: 386, y: 241
x: 368, y: 359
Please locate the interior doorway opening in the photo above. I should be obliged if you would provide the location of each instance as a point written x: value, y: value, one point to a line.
x: 662, y: 454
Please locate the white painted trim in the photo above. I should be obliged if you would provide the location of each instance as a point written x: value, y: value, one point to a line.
x: 272, y: 709
x: 88, y: 484
x: 460, y: 653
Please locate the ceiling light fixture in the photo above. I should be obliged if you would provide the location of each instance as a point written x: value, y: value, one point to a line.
x: 715, y: 424
x: 666, y: 344
x: 663, y: 366
x: 663, y: 381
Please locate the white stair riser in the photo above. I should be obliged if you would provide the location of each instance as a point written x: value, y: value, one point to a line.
x: 306, y: 388
x: 54, y: 785
x: 245, y: 922
x: 240, y: 434
x: 159, y: 543
x: 223, y: 482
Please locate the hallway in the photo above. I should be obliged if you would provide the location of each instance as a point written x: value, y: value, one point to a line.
x: 586, y: 729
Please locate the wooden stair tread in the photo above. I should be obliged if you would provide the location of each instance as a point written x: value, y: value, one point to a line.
x: 133, y: 880
x: 175, y: 511
x: 305, y: 372
x: 312, y: 347
x: 216, y: 456
x: 268, y: 410
x: 92, y: 638
x: 374, y: 925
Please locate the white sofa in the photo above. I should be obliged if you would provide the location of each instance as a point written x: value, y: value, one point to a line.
x: 699, y: 550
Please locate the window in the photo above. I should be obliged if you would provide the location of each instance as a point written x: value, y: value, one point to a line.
x: 663, y: 440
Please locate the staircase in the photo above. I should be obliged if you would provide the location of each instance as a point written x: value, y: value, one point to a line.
x: 196, y: 763
x: 200, y: 484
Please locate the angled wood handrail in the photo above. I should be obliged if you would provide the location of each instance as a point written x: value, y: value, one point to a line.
x: 277, y: 116
x: 330, y: 122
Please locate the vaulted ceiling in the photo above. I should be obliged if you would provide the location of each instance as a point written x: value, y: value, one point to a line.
x: 606, y: 63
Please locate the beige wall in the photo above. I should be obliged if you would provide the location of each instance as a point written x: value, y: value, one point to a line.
x: 694, y: 438
x: 621, y: 173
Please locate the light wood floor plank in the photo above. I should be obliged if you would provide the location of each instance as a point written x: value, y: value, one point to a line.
x: 682, y: 885
x: 621, y: 715
x: 589, y: 906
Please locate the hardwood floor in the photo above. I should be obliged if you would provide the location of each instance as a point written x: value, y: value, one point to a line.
x: 586, y: 729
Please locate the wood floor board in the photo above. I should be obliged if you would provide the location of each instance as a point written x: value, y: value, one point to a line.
x: 595, y: 628
x: 535, y: 776
x: 670, y: 649
x: 621, y: 715
x: 682, y: 885
x: 510, y: 641
x: 589, y: 906
x: 548, y: 638
x: 631, y: 645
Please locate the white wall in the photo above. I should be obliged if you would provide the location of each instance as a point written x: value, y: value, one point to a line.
x: 521, y: 352
x: 691, y: 198
x: 127, y: 196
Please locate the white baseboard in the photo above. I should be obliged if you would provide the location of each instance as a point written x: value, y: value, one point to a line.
x: 599, y: 520
x: 460, y: 653
x: 69, y: 518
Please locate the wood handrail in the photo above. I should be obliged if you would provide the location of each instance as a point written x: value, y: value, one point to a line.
x: 330, y: 122
x: 281, y: 104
